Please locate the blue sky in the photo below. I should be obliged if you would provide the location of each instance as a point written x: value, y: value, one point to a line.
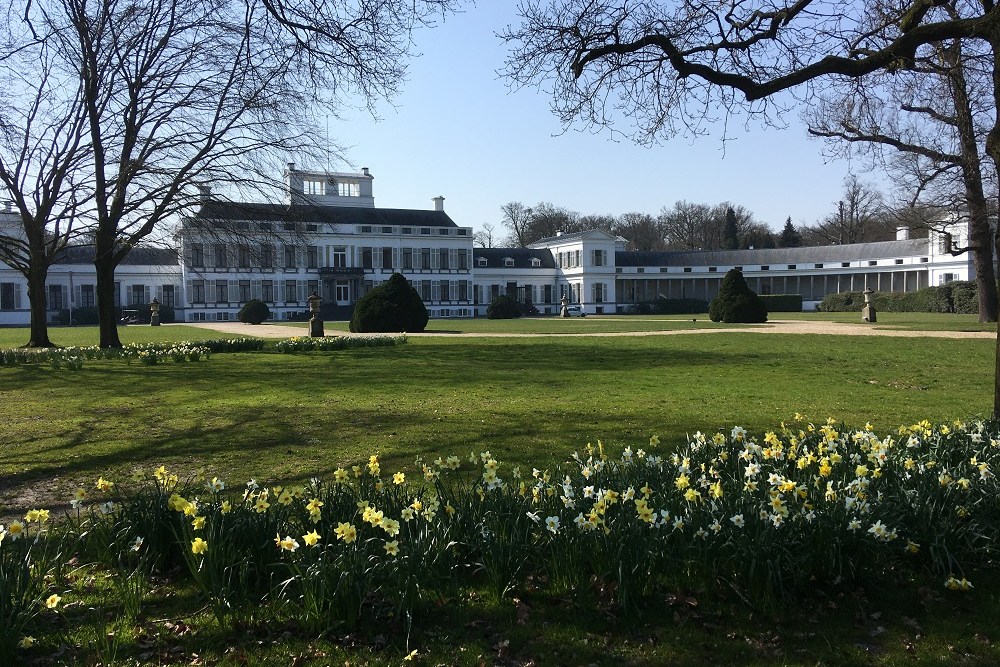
x: 458, y: 131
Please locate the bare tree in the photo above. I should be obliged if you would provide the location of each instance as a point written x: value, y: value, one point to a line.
x: 669, y: 67
x: 43, y: 149
x: 642, y: 231
x: 686, y: 226
x: 186, y: 93
x: 860, y: 216
x: 517, y: 220
x: 926, y: 125
x: 484, y: 238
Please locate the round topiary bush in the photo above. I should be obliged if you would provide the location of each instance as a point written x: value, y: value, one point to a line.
x: 254, y: 311
x: 736, y: 302
x: 503, y: 308
x: 392, y: 307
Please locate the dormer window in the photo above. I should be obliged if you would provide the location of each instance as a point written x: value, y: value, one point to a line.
x: 482, y: 261
x: 535, y: 262
x: 508, y: 261
x: 315, y: 188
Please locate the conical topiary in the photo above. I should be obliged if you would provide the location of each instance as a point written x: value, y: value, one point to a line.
x: 392, y: 307
x: 736, y: 302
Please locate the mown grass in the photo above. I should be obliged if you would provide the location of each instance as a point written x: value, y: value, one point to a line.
x: 84, y: 336
x: 530, y: 400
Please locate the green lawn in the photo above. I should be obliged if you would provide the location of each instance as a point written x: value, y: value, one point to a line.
x: 529, y: 400
x: 83, y: 336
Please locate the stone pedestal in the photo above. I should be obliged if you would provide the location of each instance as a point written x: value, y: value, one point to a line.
x: 868, y: 312
x: 316, y: 328
x: 154, y: 320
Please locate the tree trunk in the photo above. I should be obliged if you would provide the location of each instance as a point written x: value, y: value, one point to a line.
x: 972, y: 177
x: 107, y: 309
x: 39, y: 335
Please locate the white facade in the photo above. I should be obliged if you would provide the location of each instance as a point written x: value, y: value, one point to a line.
x: 328, y: 237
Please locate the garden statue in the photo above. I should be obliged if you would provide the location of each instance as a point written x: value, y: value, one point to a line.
x: 564, y: 310
x: 868, y: 312
x: 315, y: 324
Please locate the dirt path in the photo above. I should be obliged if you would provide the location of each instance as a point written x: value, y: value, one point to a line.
x: 776, y: 326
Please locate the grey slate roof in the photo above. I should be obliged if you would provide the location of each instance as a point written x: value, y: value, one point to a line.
x: 522, y: 257
x: 337, y: 215
x: 574, y: 236
x: 84, y: 254
x: 776, y: 256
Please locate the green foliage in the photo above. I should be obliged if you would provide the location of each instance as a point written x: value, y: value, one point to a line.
x: 503, y: 308
x: 789, y: 236
x: 736, y: 302
x: 389, y: 308
x: 233, y: 344
x: 254, y: 311
x: 953, y: 297
x: 327, y: 343
x: 782, y: 303
x: 664, y: 306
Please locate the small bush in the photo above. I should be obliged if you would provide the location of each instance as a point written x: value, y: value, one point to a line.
x: 954, y: 297
x: 736, y: 302
x: 782, y: 303
x: 674, y: 307
x: 254, y: 311
x: 503, y: 308
x: 390, y: 308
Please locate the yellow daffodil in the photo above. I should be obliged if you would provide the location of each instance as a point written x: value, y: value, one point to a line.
x: 391, y: 548
x: 53, y: 601
x: 104, y: 485
x: 311, y: 538
x: 346, y: 532
x: 398, y: 478
x: 198, y: 523
x: 199, y: 546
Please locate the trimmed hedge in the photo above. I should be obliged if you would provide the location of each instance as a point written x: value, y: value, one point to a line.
x: 87, y: 315
x: 664, y: 306
x: 503, y: 308
x: 782, y: 303
x: 254, y: 311
x: 954, y: 297
x: 736, y: 302
x: 394, y: 307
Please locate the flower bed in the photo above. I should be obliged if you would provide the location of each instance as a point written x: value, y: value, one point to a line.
x: 769, y: 516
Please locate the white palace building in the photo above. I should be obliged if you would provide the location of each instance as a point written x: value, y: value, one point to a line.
x: 329, y: 237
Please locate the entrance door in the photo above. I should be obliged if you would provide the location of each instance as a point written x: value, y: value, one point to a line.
x: 343, y: 292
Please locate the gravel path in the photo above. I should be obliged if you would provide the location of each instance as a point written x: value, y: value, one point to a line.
x: 776, y: 326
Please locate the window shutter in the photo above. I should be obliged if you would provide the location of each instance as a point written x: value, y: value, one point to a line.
x: 159, y: 293
x: 300, y: 257
x: 255, y: 290
x: 416, y: 259
x: 188, y: 255
x: 77, y: 298
x: 145, y: 293
x: 301, y: 285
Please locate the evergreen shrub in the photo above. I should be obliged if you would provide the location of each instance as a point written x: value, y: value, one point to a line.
x: 503, y: 308
x: 254, y: 311
x: 736, y: 302
x: 389, y: 308
x: 782, y: 303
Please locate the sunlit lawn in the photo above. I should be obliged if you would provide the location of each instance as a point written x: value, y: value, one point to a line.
x: 530, y: 401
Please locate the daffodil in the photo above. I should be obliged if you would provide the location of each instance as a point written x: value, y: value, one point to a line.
x: 391, y: 548
x: 552, y: 524
x: 26, y: 642
x: 311, y: 538
x: 199, y: 546
x: 52, y: 601
x: 198, y: 523
x: 346, y: 532
x: 104, y: 485
x: 286, y: 543
x: 398, y: 478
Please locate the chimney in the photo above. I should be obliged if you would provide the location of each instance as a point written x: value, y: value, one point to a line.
x: 364, y: 170
x: 291, y: 166
x: 438, y: 203
x: 205, y: 192
x: 558, y: 232
x: 902, y: 233
x: 8, y: 206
